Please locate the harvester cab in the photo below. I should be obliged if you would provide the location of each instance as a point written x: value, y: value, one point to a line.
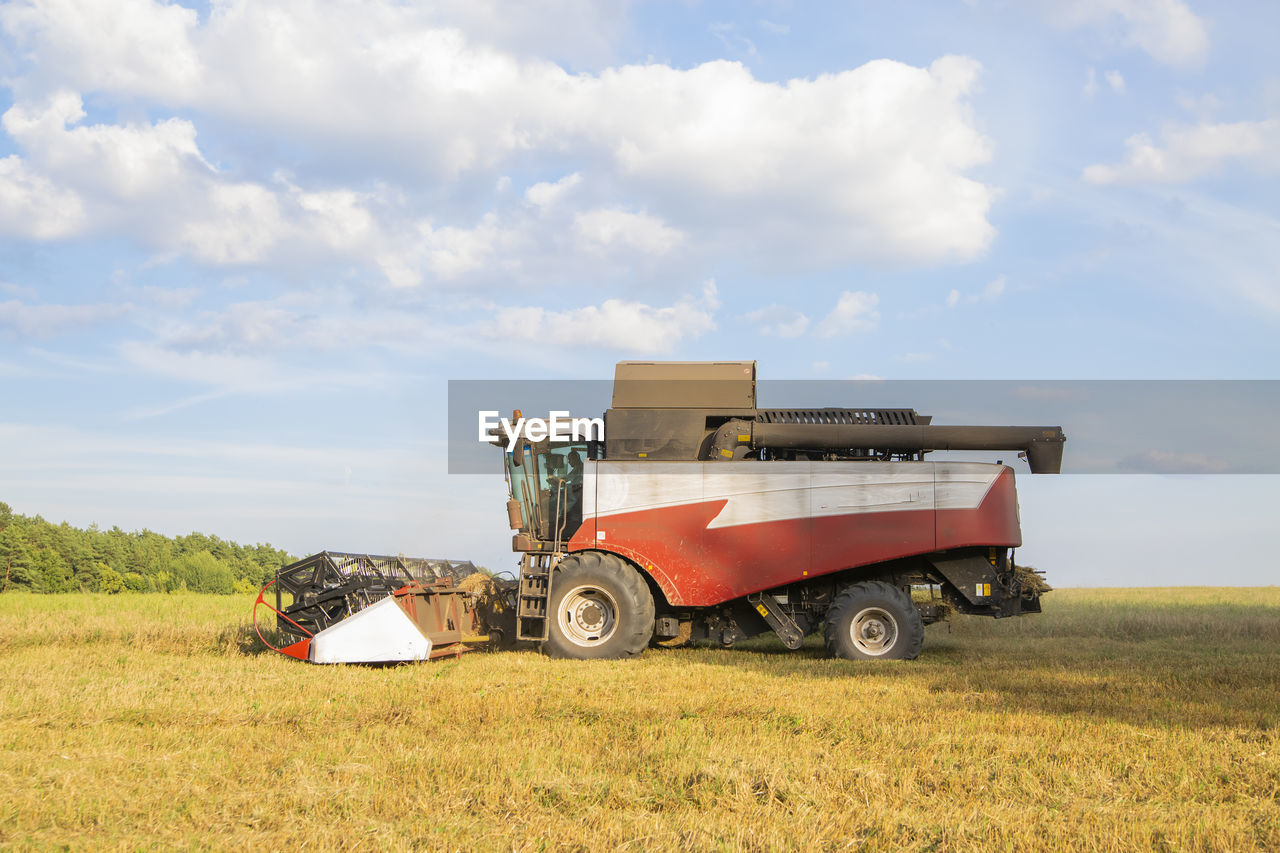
x: 545, y: 486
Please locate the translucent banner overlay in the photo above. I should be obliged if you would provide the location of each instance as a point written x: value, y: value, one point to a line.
x: 1111, y: 426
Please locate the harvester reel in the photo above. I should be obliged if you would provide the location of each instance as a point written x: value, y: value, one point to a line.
x: 331, y: 587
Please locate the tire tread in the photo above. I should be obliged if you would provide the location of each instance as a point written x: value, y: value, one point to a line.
x: 633, y: 595
x: 852, y: 598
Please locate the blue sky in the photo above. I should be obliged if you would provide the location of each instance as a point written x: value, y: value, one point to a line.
x: 245, y: 245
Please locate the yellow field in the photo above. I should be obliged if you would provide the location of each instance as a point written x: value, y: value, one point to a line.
x: 1119, y: 719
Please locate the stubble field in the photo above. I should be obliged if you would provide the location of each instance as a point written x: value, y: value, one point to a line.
x: 1119, y: 719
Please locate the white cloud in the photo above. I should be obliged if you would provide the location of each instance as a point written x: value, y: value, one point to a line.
x: 147, y: 179
x: 780, y: 321
x: 610, y: 227
x: 1113, y: 77
x: 545, y: 194
x: 42, y: 320
x: 1189, y: 152
x: 1201, y: 106
x: 242, y: 224
x: 167, y: 298
x: 130, y: 162
x: 152, y: 181
x: 313, y: 322
x: 1180, y: 240
x: 733, y: 41
x: 342, y: 216
x: 299, y: 341
x: 616, y: 324
x: 862, y: 164
x: 241, y: 327
x: 18, y: 290
x: 865, y: 164
x: 304, y: 340
x: 994, y: 289
x: 1165, y: 29
x: 990, y: 292
x: 581, y: 30
x: 233, y: 373
x: 451, y: 252
x: 1195, y: 239
x: 31, y: 205
x: 136, y: 46
x: 855, y: 311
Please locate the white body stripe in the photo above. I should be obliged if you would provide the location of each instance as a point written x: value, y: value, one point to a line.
x: 774, y: 491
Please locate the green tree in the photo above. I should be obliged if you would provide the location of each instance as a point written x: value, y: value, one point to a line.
x: 20, y: 570
x: 244, y: 586
x: 137, y: 582
x: 203, y: 572
x: 110, y: 580
x: 55, y: 574
x: 44, y: 557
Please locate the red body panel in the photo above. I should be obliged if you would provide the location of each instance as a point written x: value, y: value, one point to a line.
x: 993, y: 523
x: 700, y: 559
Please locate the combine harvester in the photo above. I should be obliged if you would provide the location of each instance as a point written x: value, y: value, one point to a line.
x: 699, y: 515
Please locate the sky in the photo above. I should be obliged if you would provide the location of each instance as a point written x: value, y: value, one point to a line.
x: 245, y: 246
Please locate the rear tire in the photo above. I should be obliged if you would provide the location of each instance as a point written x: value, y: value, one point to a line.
x: 874, y: 620
x: 600, y: 609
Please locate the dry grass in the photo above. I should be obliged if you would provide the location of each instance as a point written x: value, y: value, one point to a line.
x: 1120, y: 719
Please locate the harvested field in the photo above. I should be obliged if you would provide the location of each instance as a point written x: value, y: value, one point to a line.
x: 1120, y: 719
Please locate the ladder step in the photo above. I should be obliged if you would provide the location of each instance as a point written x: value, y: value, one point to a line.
x: 531, y: 605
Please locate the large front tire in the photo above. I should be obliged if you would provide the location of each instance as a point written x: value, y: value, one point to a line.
x: 600, y: 608
x: 874, y: 620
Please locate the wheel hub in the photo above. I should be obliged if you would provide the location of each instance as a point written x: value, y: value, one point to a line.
x: 588, y: 615
x: 591, y: 617
x: 874, y: 631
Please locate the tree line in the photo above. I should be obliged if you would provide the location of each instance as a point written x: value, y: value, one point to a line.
x: 40, y: 556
